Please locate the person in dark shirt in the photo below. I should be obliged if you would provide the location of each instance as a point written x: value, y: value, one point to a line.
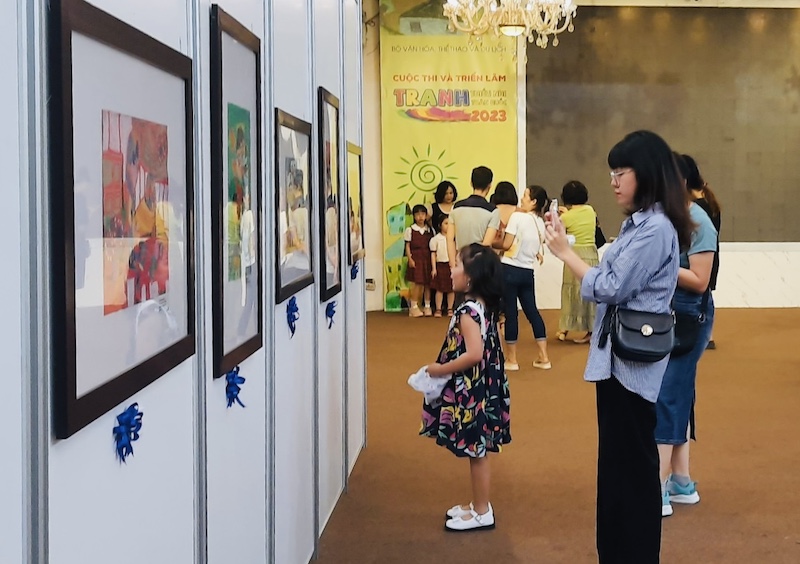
x: 706, y: 199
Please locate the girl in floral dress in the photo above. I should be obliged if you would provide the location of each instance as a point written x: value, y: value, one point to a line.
x: 472, y: 417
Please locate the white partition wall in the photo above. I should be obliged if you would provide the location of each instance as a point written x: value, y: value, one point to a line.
x: 207, y: 483
x: 236, y: 440
x: 355, y: 369
x: 90, y: 493
x: 327, y: 66
x: 294, y: 365
x: 12, y: 135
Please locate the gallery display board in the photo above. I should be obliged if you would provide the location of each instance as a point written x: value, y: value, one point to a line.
x: 122, y: 265
x: 236, y: 189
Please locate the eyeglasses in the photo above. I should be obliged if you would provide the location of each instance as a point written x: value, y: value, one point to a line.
x: 615, y: 174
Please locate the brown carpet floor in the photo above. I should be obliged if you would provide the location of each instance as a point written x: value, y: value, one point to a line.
x: 746, y: 461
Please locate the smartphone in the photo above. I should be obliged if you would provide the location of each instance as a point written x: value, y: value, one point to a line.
x: 554, y: 219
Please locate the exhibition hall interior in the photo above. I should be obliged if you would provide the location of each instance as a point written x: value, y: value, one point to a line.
x: 237, y: 233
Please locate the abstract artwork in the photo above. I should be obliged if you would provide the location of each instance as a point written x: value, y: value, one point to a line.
x: 135, y: 211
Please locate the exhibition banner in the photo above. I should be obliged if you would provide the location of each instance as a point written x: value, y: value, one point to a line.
x: 448, y: 104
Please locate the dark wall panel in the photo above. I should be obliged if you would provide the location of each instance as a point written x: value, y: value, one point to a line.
x: 720, y: 84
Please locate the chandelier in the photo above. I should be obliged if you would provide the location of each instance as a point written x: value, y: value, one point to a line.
x: 536, y: 19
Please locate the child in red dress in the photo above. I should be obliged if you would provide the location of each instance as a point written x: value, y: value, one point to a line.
x: 418, y: 238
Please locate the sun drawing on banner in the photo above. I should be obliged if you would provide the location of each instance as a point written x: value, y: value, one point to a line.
x: 423, y: 174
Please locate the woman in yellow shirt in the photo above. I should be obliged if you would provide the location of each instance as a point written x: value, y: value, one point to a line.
x: 580, y: 220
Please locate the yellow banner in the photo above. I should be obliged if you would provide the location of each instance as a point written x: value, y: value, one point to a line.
x: 448, y: 105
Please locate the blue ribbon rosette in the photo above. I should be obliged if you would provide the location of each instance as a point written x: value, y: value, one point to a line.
x: 129, y: 423
x: 292, y: 314
x: 232, y: 388
x: 330, y: 311
x: 354, y: 271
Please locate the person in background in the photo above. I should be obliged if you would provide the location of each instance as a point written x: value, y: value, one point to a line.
x: 639, y: 271
x: 580, y: 220
x: 440, y: 273
x: 418, y: 241
x: 705, y: 198
x: 540, y: 202
x: 470, y: 216
x: 444, y: 198
x: 472, y: 419
x: 675, y: 405
x: 521, y: 244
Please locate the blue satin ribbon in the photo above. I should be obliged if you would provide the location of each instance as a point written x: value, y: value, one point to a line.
x: 292, y: 314
x: 129, y: 423
x: 330, y: 311
x: 232, y: 388
x: 354, y: 271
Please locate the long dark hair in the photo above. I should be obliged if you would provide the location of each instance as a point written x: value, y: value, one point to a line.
x: 539, y: 195
x: 694, y: 181
x: 441, y: 191
x: 482, y: 266
x: 657, y: 178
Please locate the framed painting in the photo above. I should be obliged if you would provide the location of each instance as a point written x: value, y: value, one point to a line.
x: 121, y: 196
x: 330, y: 249
x: 355, y: 204
x: 236, y: 189
x: 292, y: 205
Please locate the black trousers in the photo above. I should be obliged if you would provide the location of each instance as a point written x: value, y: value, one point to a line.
x: 628, y: 488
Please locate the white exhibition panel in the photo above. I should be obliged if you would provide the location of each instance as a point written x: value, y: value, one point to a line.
x: 327, y: 66
x: 294, y: 433
x: 11, y: 416
x: 356, y: 322
x: 155, y: 489
x: 105, y: 511
x: 236, y: 439
x: 294, y: 528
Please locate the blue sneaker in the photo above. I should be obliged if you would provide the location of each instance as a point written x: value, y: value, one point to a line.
x: 682, y: 494
x: 666, y: 506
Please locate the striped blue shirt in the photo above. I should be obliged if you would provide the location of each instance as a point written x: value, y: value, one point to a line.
x: 639, y: 271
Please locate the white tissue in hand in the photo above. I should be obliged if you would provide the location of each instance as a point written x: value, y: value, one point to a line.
x: 430, y: 387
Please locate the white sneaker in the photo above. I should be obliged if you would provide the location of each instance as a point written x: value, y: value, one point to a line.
x: 457, y: 511
x: 471, y: 522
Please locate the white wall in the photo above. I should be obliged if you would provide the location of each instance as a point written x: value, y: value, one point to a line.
x: 293, y: 92
x: 356, y: 320
x: 327, y: 65
x: 92, y: 497
x: 207, y: 483
x: 236, y: 437
x: 11, y: 428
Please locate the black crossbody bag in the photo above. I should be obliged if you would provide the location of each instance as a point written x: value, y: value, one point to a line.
x: 638, y: 335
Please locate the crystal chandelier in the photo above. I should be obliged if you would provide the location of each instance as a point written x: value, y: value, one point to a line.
x: 536, y: 19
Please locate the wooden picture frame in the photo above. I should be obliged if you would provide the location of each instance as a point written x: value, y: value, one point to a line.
x: 293, y: 206
x: 122, y: 207
x: 355, y: 204
x: 330, y: 195
x: 236, y: 192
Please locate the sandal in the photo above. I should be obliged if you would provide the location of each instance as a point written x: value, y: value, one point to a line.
x: 562, y: 335
x: 450, y: 313
x: 437, y: 313
x: 583, y: 340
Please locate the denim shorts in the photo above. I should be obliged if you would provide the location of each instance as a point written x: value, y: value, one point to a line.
x: 675, y: 404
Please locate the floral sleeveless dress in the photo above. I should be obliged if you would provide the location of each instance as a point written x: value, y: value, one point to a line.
x: 473, y: 415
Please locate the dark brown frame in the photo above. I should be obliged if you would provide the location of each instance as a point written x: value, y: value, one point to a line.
x: 67, y: 16
x: 221, y: 22
x: 325, y: 98
x: 354, y: 149
x: 282, y: 292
